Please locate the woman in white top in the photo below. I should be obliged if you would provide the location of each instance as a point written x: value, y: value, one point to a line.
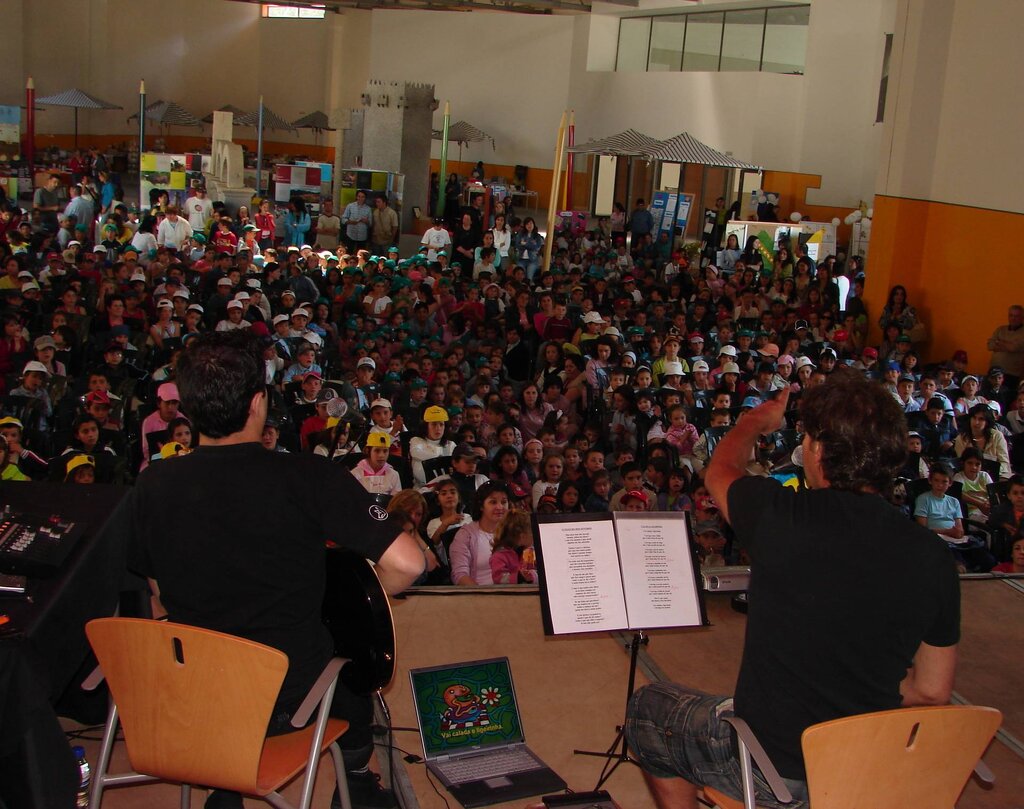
x: 502, y: 240
x: 471, y: 549
x: 165, y: 327
x: 432, y: 444
x: 144, y: 241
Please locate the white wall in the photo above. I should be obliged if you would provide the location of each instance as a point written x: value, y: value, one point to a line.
x: 954, y: 115
x: 507, y: 74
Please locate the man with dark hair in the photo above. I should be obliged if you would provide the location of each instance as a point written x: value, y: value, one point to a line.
x: 226, y: 561
x: 830, y: 631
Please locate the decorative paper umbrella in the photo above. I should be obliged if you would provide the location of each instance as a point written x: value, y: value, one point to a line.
x: 79, y: 100
x: 315, y: 120
x: 167, y: 113
x: 463, y: 133
x: 208, y: 119
x: 271, y: 120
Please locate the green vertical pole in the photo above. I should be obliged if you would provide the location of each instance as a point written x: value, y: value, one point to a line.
x: 442, y: 176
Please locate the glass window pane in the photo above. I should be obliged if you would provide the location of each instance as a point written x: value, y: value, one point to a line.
x: 667, y: 43
x: 634, y: 37
x: 785, y: 40
x: 741, y: 45
x: 703, y: 41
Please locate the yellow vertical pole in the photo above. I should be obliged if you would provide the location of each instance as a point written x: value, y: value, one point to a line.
x: 556, y: 176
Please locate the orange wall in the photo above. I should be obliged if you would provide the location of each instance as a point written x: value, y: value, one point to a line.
x: 792, y: 190
x: 959, y: 292
x: 538, y: 180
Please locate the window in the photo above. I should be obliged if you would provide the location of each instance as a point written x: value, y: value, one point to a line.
x: 703, y: 46
x: 667, y: 35
x: 742, y: 40
x: 770, y: 40
x: 634, y: 40
x: 785, y: 39
x: 883, y: 83
x: 314, y: 11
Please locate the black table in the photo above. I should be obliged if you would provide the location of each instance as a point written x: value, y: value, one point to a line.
x: 44, y: 644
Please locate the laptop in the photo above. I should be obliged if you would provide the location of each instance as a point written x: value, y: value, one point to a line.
x: 472, y: 733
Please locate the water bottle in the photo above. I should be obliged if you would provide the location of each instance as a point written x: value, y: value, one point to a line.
x: 85, y: 777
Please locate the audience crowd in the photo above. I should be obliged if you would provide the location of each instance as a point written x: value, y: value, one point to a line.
x: 468, y: 383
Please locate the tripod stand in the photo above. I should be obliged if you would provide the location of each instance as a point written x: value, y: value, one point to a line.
x: 618, y: 751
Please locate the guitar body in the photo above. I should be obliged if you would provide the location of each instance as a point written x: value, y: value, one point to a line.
x: 357, y: 613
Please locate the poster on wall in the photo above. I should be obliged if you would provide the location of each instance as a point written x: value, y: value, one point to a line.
x: 159, y: 172
x: 662, y: 206
x: 295, y: 180
x: 10, y: 134
x: 573, y: 221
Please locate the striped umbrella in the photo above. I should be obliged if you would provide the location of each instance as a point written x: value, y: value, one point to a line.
x: 463, y: 133
x: 271, y: 120
x: 238, y: 113
x: 167, y: 113
x: 315, y: 120
x: 79, y: 100
x: 626, y: 144
x: 684, y: 148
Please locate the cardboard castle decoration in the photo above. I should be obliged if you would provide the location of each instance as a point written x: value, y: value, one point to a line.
x: 224, y: 181
x: 393, y: 133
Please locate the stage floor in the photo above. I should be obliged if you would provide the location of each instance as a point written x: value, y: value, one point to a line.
x: 572, y: 691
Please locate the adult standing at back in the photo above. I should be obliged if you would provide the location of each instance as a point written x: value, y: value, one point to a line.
x: 385, y: 226
x: 356, y: 219
x: 328, y: 227
x: 1007, y: 346
x: 831, y: 631
x: 199, y: 209
x: 641, y: 223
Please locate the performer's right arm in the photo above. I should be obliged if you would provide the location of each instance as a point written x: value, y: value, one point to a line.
x: 930, y: 680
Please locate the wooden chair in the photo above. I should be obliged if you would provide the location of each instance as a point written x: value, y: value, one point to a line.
x: 885, y: 760
x: 195, y: 704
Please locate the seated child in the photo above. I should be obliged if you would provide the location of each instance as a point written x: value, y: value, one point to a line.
x: 975, y: 482
x: 81, y: 469
x: 513, y: 560
x: 374, y: 472
x: 941, y: 513
x: 8, y: 469
x: 600, y: 486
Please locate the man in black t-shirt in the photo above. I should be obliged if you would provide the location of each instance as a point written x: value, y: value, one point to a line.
x: 853, y: 608
x: 232, y: 538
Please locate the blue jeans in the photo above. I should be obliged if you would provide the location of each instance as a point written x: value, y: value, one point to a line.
x: 679, y: 733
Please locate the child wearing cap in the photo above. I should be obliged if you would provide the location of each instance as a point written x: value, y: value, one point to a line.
x: 81, y: 469
x: 969, y: 387
x: 33, y: 386
x: 431, y: 444
x: 374, y: 472
x: 156, y: 424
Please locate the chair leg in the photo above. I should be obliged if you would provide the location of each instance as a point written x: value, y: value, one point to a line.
x: 342, y: 779
x: 103, y: 763
x: 186, y: 796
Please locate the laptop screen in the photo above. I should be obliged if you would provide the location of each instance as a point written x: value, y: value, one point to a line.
x: 466, y: 706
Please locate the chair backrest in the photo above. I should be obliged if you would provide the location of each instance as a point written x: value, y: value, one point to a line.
x: 896, y: 759
x: 194, y: 704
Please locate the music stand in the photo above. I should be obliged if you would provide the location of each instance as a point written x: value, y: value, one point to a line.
x: 615, y: 571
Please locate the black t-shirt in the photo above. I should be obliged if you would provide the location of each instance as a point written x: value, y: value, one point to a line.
x: 843, y: 590
x: 234, y: 536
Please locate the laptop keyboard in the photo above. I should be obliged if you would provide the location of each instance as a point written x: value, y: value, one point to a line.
x: 491, y: 765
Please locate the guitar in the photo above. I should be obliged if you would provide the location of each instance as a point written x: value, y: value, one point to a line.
x: 357, y: 613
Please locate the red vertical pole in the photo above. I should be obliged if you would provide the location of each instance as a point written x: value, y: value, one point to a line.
x: 30, y: 130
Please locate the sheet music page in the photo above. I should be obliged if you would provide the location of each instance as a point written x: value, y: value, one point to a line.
x: 657, y: 570
x: 581, y: 569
